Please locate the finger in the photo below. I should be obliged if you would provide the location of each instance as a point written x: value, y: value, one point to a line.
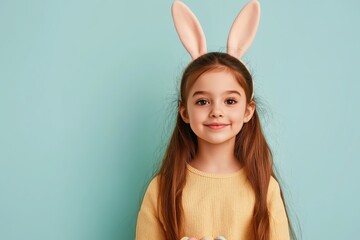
x: 220, y: 238
x: 207, y: 238
x: 188, y: 238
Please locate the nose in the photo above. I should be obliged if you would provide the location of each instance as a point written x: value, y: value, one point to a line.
x: 216, y: 111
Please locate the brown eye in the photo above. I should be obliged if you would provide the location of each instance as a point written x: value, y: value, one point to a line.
x: 231, y: 101
x: 202, y: 102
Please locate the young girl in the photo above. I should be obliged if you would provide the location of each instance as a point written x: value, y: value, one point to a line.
x: 216, y: 180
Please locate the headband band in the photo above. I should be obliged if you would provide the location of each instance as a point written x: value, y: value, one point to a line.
x: 241, y: 35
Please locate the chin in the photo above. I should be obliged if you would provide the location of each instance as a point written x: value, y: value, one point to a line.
x: 216, y: 141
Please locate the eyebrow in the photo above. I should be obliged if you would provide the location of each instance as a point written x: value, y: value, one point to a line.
x: 204, y: 92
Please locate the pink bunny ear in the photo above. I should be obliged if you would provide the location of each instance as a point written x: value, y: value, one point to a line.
x: 244, y: 29
x: 188, y: 29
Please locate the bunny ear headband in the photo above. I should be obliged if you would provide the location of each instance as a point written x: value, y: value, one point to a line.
x: 240, y: 37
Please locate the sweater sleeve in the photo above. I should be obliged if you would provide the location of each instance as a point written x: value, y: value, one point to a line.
x: 148, y: 224
x: 279, y: 228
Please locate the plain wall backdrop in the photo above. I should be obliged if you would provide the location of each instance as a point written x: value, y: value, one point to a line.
x: 87, y: 100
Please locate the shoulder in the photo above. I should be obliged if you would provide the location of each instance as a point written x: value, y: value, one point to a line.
x: 273, y: 186
x: 274, y: 191
x: 274, y: 198
x: 153, y: 186
x: 149, y: 223
x: 151, y: 194
x: 279, y: 225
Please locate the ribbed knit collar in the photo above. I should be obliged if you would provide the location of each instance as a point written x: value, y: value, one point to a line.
x: 214, y: 175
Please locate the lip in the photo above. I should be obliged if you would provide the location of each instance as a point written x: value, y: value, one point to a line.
x: 216, y: 125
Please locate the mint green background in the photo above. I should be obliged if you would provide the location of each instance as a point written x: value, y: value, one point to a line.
x: 87, y: 91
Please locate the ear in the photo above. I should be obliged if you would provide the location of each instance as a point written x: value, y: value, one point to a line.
x: 183, y: 113
x: 249, y: 111
x: 244, y: 29
x: 188, y: 29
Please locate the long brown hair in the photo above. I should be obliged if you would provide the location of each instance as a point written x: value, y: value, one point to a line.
x: 250, y: 147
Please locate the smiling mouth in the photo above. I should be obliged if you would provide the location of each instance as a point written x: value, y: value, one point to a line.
x: 216, y: 126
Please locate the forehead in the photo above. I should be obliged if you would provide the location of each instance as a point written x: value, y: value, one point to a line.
x: 216, y: 82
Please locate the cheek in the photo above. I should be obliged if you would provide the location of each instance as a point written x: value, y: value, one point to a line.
x: 197, y: 115
x: 237, y: 115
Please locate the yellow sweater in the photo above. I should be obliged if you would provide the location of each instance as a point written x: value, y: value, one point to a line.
x: 214, y: 205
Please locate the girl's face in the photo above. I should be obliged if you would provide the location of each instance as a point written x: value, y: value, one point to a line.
x: 216, y: 107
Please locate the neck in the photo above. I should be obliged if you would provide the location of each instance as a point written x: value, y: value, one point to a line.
x: 216, y: 158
